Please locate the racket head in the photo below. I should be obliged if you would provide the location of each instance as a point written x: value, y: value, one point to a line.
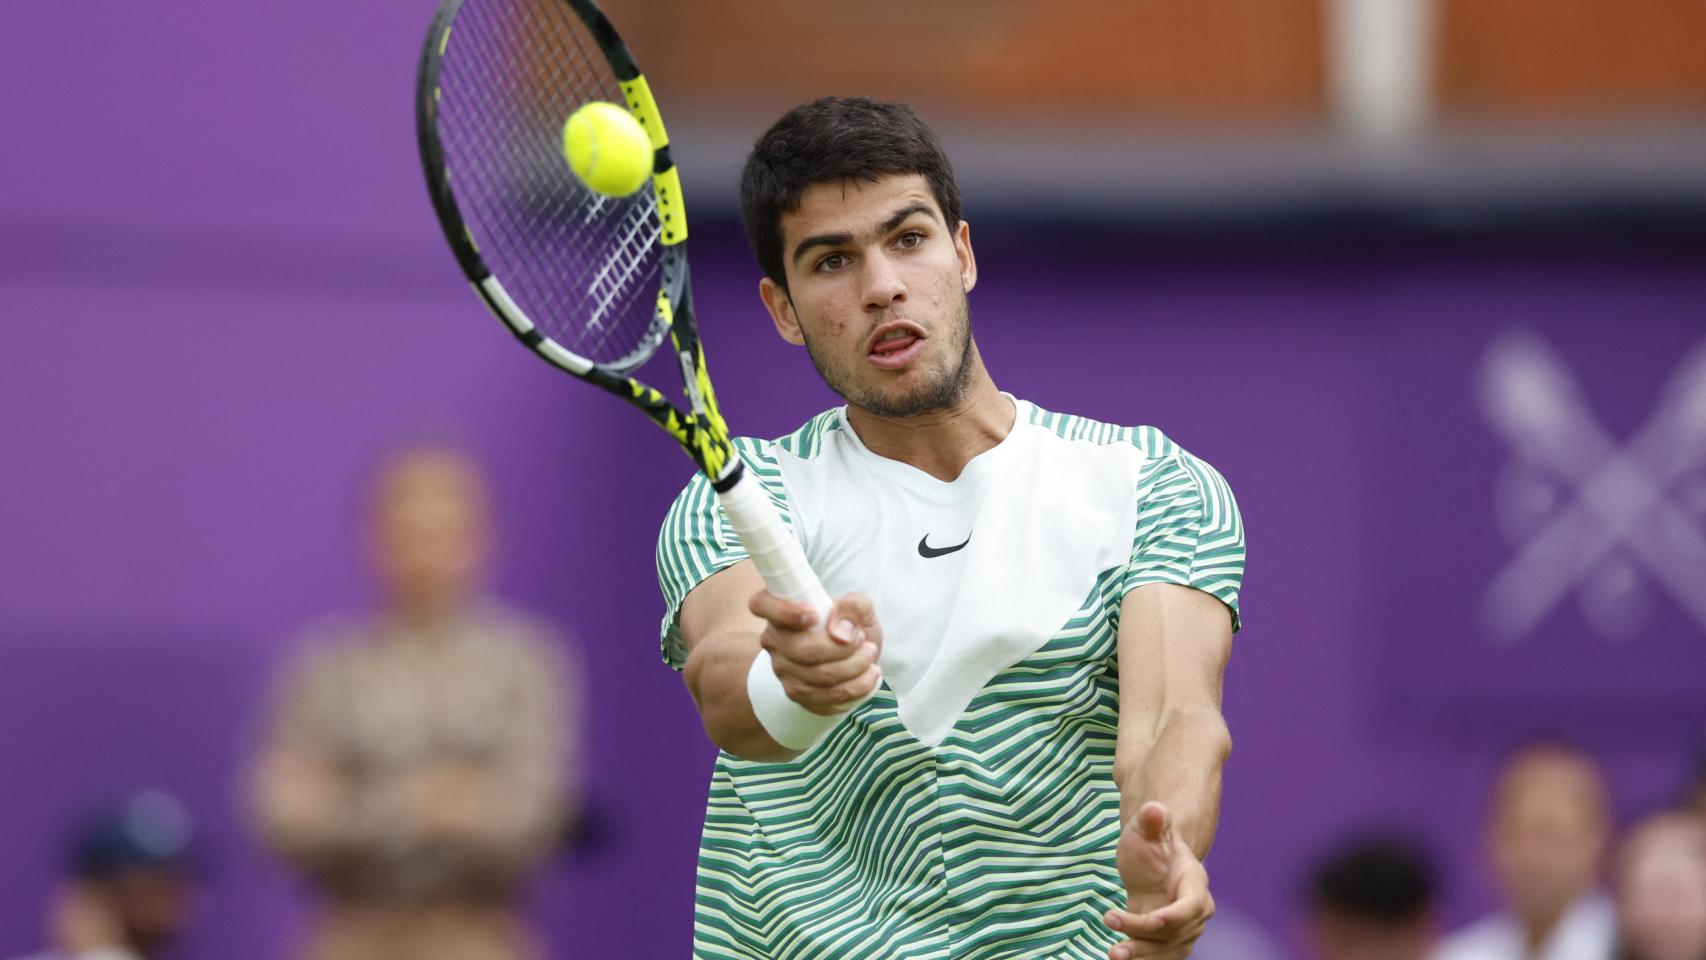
x: 590, y: 282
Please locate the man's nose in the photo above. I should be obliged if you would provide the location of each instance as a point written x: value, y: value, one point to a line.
x: 883, y: 285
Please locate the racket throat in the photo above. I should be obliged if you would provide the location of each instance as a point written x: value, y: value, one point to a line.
x: 731, y: 475
x: 690, y: 378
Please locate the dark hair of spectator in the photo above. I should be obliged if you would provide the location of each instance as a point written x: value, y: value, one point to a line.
x: 831, y: 140
x: 1382, y: 877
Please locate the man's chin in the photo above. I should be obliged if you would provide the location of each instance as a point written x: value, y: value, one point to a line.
x: 899, y: 402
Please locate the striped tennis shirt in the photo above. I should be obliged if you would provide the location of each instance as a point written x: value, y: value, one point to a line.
x: 967, y: 810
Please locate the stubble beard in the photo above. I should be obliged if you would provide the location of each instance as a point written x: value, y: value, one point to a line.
x: 941, y: 393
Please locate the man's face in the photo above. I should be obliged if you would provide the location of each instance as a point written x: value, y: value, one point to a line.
x: 1549, y: 832
x: 877, y: 287
x: 429, y: 530
x: 1661, y: 895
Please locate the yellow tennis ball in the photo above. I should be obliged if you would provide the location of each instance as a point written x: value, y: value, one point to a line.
x: 607, y: 148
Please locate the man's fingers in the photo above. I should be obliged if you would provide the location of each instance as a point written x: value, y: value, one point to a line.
x: 828, y: 700
x: 850, y: 617
x: 1183, y: 911
x: 1130, y: 924
x: 1144, y: 940
x: 786, y: 614
x: 806, y: 649
x: 1145, y: 950
x: 1163, y: 923
x: 1192, y: 896
x: 1144, y: 926
x: 858, y: 608
x: 825, y: 670
x: 827, y: 673
x: 1148, y: 951
x: 790, y: 635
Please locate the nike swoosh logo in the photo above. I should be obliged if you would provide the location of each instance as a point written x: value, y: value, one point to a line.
x: 928, y: 552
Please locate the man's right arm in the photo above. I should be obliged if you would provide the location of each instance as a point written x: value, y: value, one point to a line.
x: 727, y: 619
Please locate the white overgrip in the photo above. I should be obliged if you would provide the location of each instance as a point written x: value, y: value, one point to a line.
x: 773, y: 549
x: 782, y: 564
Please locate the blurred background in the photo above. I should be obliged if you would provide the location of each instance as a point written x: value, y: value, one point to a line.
x: 1425, y: 279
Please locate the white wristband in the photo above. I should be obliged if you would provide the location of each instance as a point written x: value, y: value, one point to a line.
x: 788, y: 723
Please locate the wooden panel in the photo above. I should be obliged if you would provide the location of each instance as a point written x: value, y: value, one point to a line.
x: 1078, y: 59
x: 1559, y: 56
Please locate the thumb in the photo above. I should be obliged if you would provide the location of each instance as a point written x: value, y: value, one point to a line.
x: 848, y: 618
x: 1155, y: 822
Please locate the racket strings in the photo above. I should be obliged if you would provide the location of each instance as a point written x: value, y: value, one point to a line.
x: 584, y: 267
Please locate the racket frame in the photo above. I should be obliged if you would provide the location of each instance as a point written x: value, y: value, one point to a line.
x: 701, y: 430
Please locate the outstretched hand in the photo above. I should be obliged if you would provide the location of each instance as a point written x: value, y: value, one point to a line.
x: 1167, y: 898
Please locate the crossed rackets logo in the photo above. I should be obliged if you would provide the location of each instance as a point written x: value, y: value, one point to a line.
x: 1590, y: 516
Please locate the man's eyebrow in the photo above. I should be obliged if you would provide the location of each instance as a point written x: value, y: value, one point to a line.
x: 837, y: 239
x: 901, y: 215
x: 821, y: 240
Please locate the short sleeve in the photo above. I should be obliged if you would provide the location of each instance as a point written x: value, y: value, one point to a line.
x: 696, y: 541
x: 1189, y: 531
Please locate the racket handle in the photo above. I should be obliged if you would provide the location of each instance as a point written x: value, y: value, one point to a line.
x: 786, y: 574
x: 773, y: 549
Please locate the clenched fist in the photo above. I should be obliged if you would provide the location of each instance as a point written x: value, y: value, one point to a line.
x: 824, y: 670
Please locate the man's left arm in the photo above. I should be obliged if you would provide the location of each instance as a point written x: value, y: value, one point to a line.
x: 1174, y: 642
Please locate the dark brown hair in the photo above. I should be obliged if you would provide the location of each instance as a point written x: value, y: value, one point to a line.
x: 832, y: 140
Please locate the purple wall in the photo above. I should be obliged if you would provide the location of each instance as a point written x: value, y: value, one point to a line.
x: 181, y: 491
x: 223, y: 295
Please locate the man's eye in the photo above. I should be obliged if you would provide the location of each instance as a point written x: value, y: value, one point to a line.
x: 910, y: 239
x: 834, y: 261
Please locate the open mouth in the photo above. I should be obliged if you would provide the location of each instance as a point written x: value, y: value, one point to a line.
x: 894, y: 345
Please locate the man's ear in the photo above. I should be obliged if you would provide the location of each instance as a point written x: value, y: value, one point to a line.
x: 781, y: 307
x: 968, y: 261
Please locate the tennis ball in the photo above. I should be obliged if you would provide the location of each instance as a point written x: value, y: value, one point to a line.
x: 607, y: 148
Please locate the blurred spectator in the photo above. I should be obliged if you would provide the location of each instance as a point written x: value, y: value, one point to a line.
x: 1661, y: 888
x: 1373, y: 899
x: 417, y: 764
x: 1547, y: 834
x: 128, y: 893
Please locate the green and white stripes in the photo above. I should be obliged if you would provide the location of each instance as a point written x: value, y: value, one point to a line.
x: 1188, y: 527
x: 1188, y: 530
x: 997, y: 843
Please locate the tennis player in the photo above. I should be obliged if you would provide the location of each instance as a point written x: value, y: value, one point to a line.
x: 1005, y: 739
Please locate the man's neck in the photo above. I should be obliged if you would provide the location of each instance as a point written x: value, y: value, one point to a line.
x: 423, y: 616
x: 940, y: 442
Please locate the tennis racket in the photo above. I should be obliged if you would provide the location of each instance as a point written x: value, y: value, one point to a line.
x: 593, y: 284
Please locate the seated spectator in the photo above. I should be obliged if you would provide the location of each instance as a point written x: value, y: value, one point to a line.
x: 1548, y: 828
x: 417, y: 766
x: 1661, y: 889
x: 127, y: 896
x: 1374, y: 898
